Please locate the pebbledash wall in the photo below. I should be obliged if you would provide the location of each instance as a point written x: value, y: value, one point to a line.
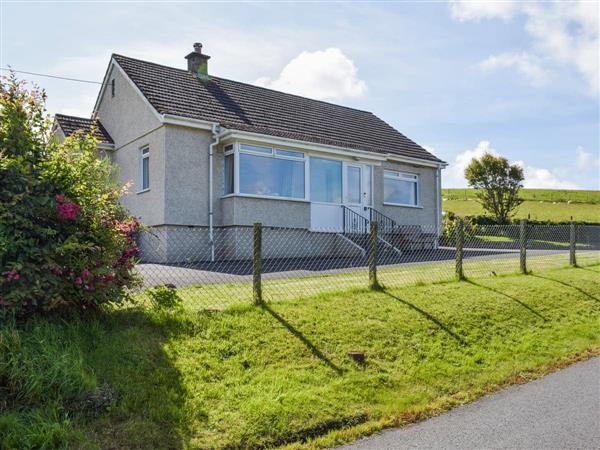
x: 175, y: 208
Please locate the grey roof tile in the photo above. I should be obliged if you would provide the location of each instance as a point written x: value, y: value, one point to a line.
x: 71, y: 124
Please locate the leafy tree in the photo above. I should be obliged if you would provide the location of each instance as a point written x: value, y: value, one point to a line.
x: 65, y: 240
x: 497, y: 185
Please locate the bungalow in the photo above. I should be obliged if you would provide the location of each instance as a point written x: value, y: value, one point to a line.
x: 207, y: 157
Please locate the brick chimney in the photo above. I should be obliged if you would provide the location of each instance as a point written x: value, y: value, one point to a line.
x: 198, y: 62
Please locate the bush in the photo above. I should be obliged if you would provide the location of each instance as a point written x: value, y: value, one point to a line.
x: 65, y: 240
x: 449, y: 227
x: 164, y: 297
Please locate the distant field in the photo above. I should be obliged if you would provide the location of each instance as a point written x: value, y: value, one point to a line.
x: 539, y: 204
x: 546, y: 195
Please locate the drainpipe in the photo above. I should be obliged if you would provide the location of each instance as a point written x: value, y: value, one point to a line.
x: 216, y: 130
x: 438, y: 189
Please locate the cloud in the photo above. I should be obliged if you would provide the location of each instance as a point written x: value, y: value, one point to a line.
x: 477, y: 10
x: 563, y: 33
x: 322, y: 75
x: 585, y: 160
x: 539, y: 178
x: 523, y: 62
x: 535, y: 177
x: 454, y: 175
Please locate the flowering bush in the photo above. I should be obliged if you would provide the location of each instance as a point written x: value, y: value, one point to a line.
x: 65, y: 240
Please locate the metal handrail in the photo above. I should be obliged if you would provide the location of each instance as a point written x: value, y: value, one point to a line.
x: 386, y: 224
x: 353, y: 222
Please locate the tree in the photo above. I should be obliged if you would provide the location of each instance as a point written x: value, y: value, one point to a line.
x: 65, y: 240
x: 497, y: 185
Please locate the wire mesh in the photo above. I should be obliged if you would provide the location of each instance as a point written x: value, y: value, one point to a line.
x: 215, y: 271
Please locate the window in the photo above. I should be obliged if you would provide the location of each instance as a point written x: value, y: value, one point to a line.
x: 325, y: 180
x: 400, y: 188
x: 112, y: 87
x: 228, y: 172
x: 269, y: 172
x: 145, y: 169
x: 354, y: 185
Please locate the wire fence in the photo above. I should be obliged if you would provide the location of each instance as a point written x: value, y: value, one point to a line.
x: 252, y: 264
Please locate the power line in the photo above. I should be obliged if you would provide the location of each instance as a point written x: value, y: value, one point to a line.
x: 51, y: 76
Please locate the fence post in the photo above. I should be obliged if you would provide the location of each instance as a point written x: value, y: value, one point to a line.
x: 573, y: 244
x: 460, y: 241
x: 523, y: 245
x: 373, y: 283
x: 256, y: 264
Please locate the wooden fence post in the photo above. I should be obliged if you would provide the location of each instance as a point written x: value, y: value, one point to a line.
x: 373, y: 283
x: 256, y: 264
x: 573, y: 244
x: 459, y: 231
x: 523, y: 246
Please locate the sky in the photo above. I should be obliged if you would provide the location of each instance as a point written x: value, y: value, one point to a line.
x: 517, y: 79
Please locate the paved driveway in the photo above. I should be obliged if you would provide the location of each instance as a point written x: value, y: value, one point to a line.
x: 560, y: 411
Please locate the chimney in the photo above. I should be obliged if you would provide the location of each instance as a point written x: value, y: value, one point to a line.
x: 198, y: 62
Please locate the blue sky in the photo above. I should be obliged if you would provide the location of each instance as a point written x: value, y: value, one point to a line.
x: 460, y: 78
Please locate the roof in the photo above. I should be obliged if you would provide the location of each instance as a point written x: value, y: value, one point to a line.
x: 71, y: 124
x: 245, y: 107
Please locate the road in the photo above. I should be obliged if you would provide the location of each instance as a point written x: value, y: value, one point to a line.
x: 559, y: 411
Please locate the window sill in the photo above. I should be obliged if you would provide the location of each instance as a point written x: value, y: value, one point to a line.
x: 402, y: 205
x: 267, y: 197
x: 143, y: 191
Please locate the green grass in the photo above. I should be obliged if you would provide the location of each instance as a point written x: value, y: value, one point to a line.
x: 539, y: 204
x: 279, y: 375
x: 536, y: 195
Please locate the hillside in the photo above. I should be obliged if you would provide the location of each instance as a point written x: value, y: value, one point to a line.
x: 540, y: 204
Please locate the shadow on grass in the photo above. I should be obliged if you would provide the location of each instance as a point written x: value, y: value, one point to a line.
x: 524, y: 305
x: 126, y: 350
x: 428, y: 316
x: 587, y: 294
x: 313, y: 349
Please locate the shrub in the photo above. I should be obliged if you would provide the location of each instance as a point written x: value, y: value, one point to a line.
x: 65, y: 240
x: 449, y: 227
x: 164, y: 297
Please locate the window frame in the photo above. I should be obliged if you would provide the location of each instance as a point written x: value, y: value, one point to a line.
x: 144, y: 154
x: 266, y: 152
x: 391, y: 174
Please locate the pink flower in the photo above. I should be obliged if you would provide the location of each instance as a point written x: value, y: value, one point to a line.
x: 85, y: 274
x: 78, y: 281
x: 68, y: 211
x: 12, y: 275
x: 59, y: 198
x: 3, y: 302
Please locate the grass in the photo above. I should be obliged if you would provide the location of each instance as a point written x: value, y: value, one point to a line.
x: 278, y: 375
x: 539, y: 204
x: 536, y: 195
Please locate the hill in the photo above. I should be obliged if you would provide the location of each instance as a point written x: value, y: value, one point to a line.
x: 540, y: 204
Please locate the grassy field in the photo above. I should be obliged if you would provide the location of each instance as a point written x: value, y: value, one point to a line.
x: 539, y: 204
x: 278, y: 375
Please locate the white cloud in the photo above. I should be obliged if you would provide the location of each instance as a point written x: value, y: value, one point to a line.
x: 477, y: 10
x: 540, y: 178
x: 523, y: 62
x: 563, y: 33
x: 454, y: 175
x: 323, y: 75
x: 535, y: 177
x: 585, y: 160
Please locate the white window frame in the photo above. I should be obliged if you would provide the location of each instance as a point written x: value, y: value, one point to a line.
x: 403, y: 176
x: 265, y: 152
x: 144, y: 153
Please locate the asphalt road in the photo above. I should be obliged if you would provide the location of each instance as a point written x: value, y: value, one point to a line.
x: 559, y: 411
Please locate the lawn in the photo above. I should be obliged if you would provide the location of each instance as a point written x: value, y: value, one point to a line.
x: 539, y: 204
x: 278, y: 375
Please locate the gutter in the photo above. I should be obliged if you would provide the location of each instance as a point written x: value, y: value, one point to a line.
x: 216, y: 132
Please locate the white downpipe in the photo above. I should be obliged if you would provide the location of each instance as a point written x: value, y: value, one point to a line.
x: 216, y: 130
x: 438, y: 203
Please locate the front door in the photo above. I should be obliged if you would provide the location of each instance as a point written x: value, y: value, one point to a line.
x: 333, y: 184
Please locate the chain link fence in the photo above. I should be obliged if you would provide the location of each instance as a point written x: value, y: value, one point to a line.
x: 245, y: 264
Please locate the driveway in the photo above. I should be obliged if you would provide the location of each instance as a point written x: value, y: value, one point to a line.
x: 559, y: 411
